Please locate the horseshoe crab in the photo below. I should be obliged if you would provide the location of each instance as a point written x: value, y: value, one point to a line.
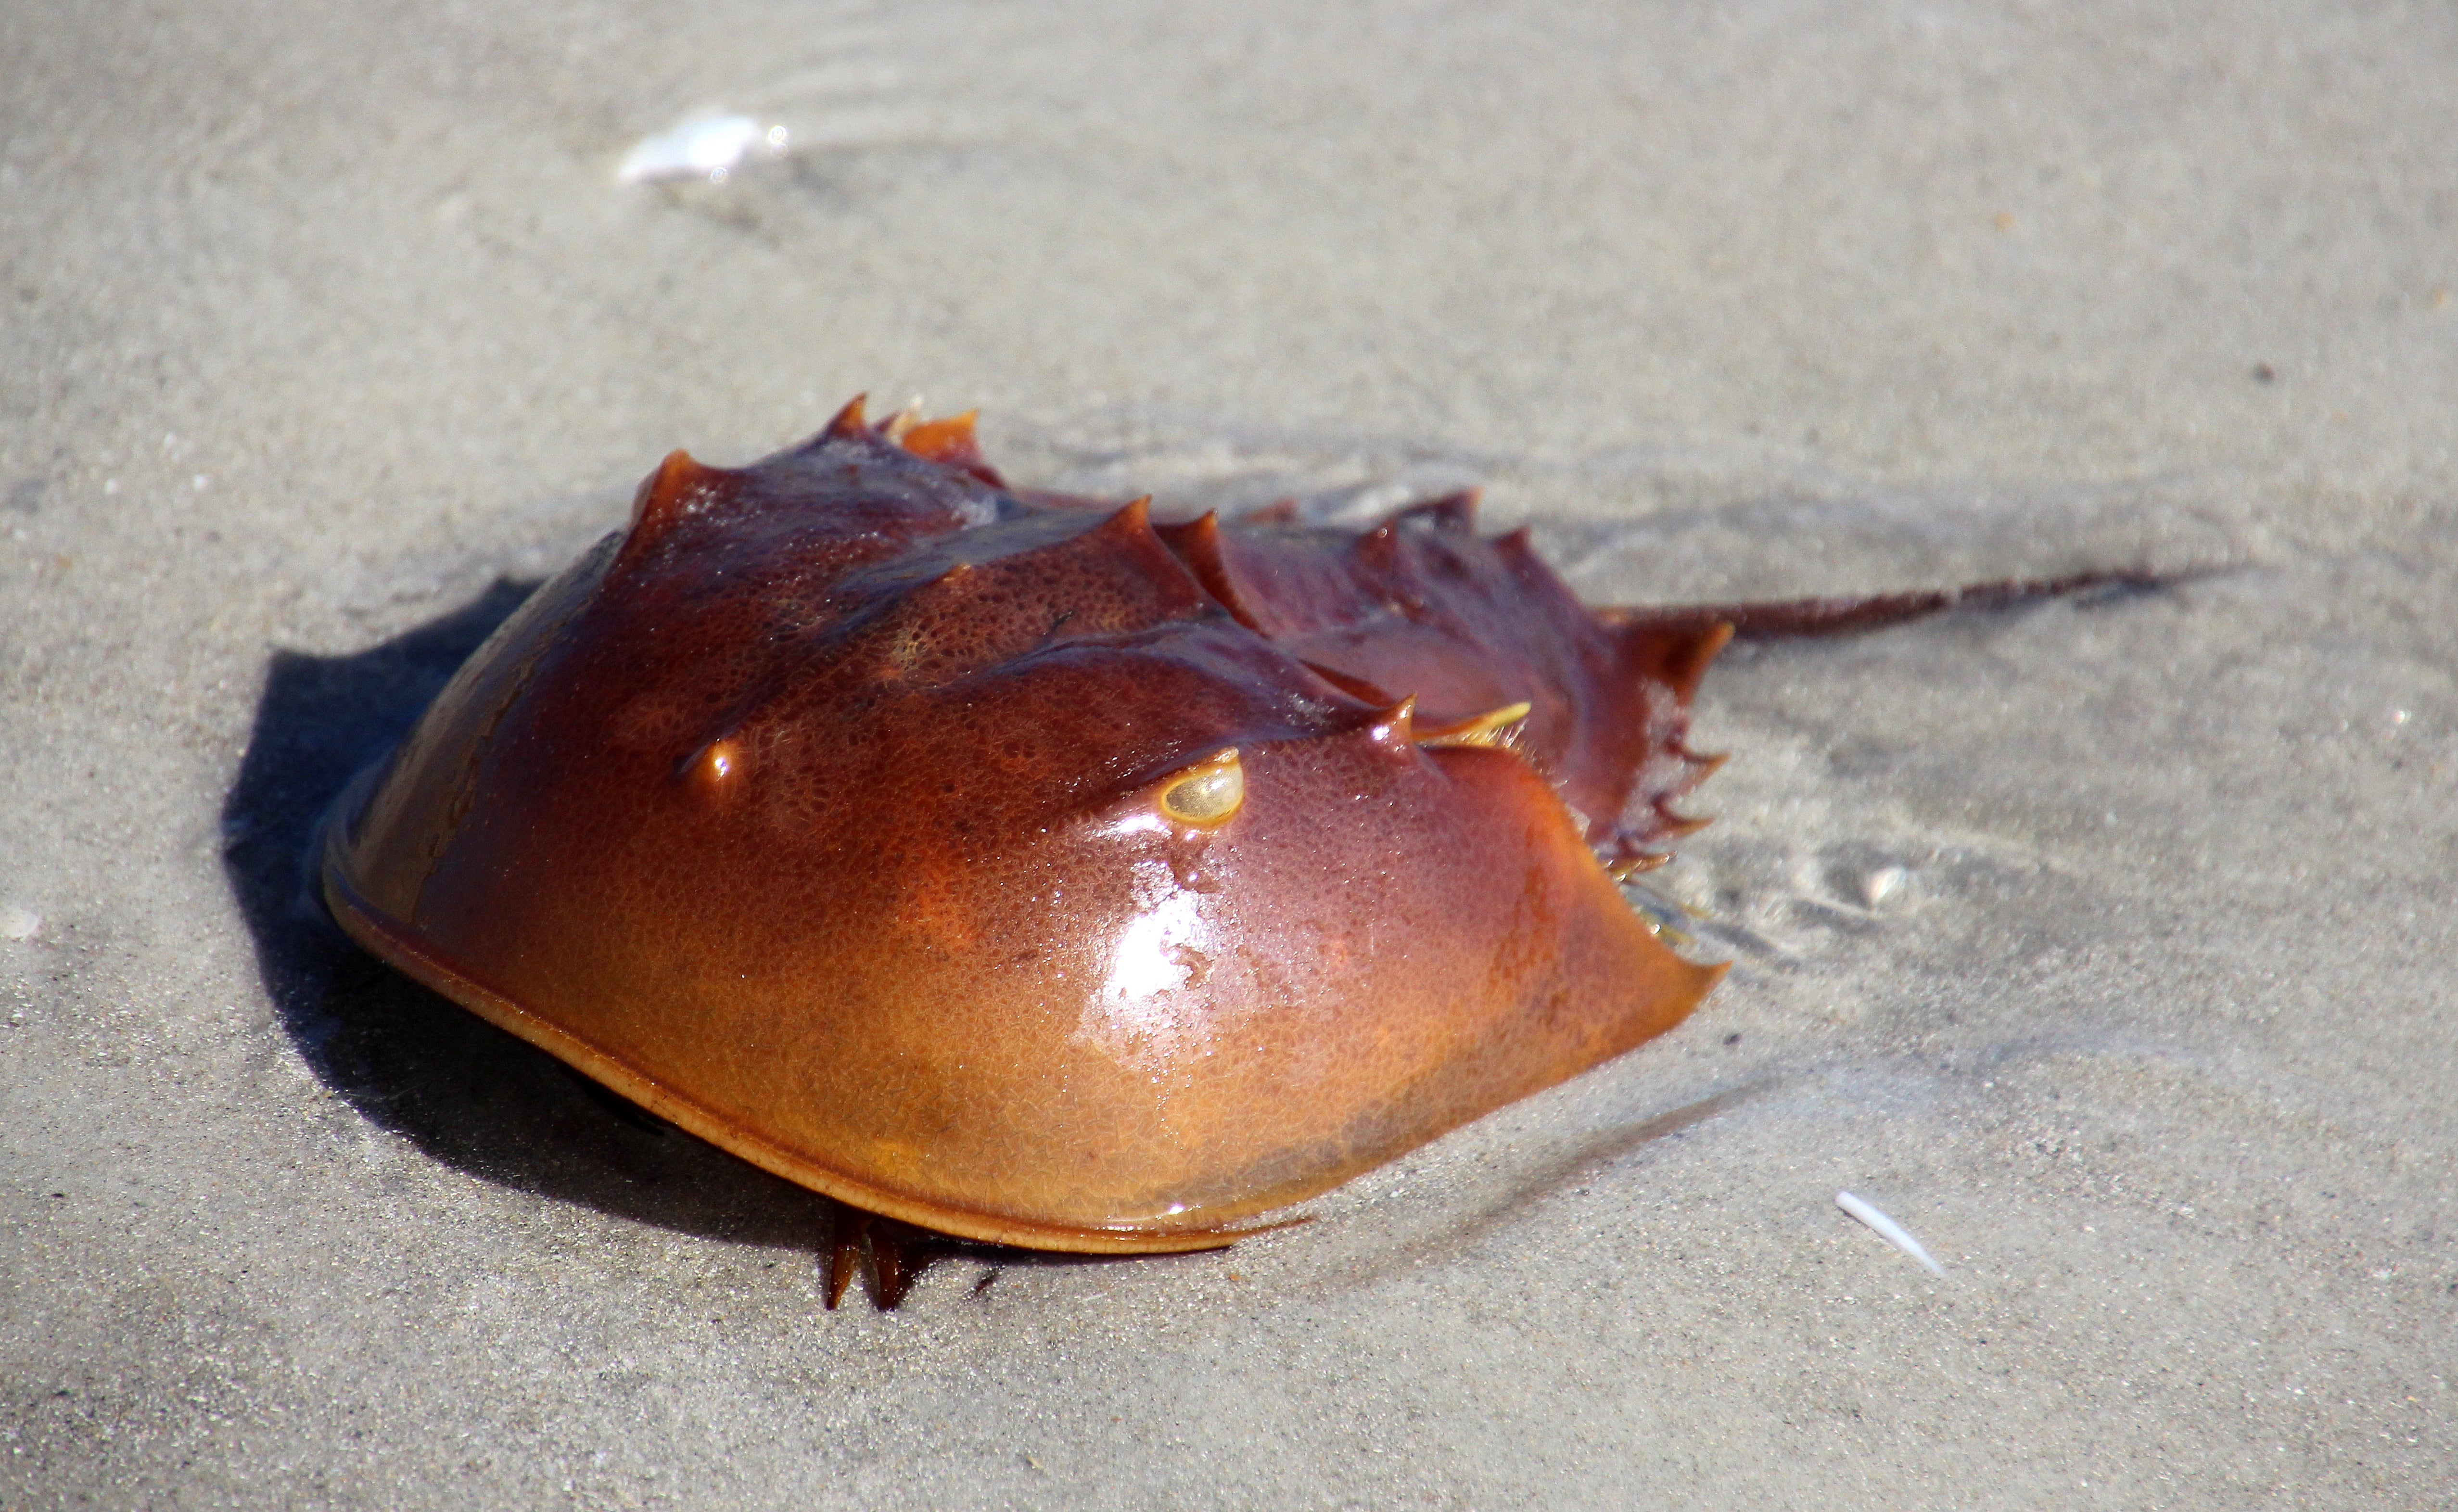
x: 1020, y: 868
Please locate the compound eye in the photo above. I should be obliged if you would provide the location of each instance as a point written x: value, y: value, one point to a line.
x: 1206, y: 794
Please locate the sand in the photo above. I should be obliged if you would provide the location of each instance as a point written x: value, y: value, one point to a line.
x: 2106, y: 946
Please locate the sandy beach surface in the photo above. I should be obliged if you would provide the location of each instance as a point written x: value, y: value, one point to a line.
x: 2106, y: 945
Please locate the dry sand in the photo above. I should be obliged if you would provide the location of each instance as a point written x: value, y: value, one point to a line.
x: 2106, y: 946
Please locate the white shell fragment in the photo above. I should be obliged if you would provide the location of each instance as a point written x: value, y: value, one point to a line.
x: 1884, y: 885
x: 1888, y: 1230
x: 19, y: 923
x: 708, y: 147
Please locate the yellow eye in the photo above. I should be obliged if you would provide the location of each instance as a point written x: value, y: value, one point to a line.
x: 1208, y: 794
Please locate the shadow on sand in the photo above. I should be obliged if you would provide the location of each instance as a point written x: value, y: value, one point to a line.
x: 415, y: 1062
x: 465, y: 1093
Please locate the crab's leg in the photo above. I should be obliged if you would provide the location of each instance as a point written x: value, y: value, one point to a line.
x: 900, y: 1252
x: 891, y: 1265
x: 844, y: 1250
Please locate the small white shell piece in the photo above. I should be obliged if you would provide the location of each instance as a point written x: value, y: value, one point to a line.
x: 1888, y: 1228
x: 701, y: 146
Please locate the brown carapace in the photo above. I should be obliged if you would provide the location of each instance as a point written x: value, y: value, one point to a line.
x: 1014, y: 867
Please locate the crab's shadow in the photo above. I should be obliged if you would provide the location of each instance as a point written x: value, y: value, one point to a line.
x: 416, y: 1063
x: 409, y: 1061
